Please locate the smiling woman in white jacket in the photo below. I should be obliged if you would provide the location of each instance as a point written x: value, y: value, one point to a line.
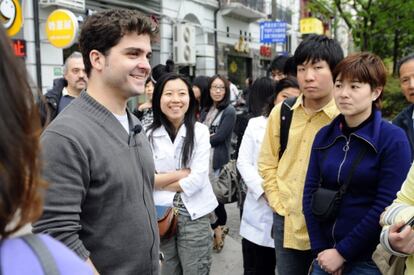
x: 181, y: 148
x: 257, y: 218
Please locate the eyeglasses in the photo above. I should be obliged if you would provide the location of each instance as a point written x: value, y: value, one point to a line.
x: 218, y: 88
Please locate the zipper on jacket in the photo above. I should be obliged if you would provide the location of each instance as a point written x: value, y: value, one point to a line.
x: 345, y: 149
x: 333, y: 233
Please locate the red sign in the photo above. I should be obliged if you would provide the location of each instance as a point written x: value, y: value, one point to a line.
x: 265, y: 51
x: 19, y: 47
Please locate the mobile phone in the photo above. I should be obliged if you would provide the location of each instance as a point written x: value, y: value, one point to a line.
x: 409, y: 223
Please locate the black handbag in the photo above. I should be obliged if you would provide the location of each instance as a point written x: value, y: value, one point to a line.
x: 325, y: 202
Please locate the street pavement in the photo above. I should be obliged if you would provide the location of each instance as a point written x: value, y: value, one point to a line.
x: 230, y: 261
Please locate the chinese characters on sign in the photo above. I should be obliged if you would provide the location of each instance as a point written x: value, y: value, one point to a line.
x: 61, y: 28
x: 273, y: 32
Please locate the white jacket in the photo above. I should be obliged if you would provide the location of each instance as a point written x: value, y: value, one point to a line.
x: 257, y: 219
x: 197, y: 195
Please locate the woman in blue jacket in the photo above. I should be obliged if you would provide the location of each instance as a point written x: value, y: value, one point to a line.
x: 363, y: 151
x: 219, y: 116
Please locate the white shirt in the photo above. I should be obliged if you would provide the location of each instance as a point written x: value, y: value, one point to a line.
x: 257, y: 219
x: 123, y: 119
x: 197, y: 195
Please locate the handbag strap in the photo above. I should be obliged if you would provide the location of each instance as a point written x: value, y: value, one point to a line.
x: 356, y: 161
x: 42, y: 253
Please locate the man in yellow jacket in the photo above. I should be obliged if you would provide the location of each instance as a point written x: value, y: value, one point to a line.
x: 284, y: 179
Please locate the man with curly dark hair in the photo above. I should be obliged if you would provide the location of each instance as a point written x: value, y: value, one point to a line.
x: 97, y: 160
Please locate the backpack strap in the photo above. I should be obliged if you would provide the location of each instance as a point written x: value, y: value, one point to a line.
x: 285, y: 121
x: 42, y: 253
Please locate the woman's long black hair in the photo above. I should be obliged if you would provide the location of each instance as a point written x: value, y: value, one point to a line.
x: 161, y: 120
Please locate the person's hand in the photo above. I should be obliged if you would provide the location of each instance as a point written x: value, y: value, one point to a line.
x: 330, y: 260
x: 339, y: 271
x: 143, y: 106
x: 183, y: 173
x: 401, y: 241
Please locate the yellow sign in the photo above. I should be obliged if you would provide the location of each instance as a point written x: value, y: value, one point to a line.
x: 311, y: 25
x: 11, y: 16
x: 62, y: 28
x: 233, y: 67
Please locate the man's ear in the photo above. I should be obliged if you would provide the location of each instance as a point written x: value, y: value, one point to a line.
x: 97, y: 60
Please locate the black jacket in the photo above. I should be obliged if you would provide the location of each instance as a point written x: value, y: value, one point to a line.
x: 48, y: 106
x: 221, y: 140
x: 405, y: 120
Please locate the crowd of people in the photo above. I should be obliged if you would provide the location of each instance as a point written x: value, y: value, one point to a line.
x: 328, y: 179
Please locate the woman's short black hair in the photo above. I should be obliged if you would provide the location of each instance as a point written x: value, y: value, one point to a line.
x: 161, y: 120
x: 226, y: 99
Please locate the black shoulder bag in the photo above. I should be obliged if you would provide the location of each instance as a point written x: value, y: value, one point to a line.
x: 325, y: 202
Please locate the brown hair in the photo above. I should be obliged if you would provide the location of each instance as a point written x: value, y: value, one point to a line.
x: 364, y: 67
x: 20, y: 129
x: 103, y: 30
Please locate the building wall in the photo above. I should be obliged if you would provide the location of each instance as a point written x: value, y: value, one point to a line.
x: 201, y: 15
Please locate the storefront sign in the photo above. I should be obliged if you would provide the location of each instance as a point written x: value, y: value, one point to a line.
x: 19, y: 47
x: 265, y: 51
x: 11, y: 16
x: 62, y: 28
x: 57, y: 71
x: 311, y: 25
x: 273, y: 32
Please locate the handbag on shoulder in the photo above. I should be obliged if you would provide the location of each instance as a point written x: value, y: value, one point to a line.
x: 228, y: 186
x: 325, y: 202
x: 167, y: 221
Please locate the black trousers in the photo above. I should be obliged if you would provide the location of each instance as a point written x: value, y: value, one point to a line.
x: 221, y: 214
x: 257, y: 259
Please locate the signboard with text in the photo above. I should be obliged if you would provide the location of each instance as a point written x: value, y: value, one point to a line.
x: 61, y: 28
x: 11, y: 16
x: 19, y: 47
x: 311, y: 25
x: 273, y: 32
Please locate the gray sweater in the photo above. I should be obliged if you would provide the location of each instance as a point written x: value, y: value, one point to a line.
x: 99, y: 201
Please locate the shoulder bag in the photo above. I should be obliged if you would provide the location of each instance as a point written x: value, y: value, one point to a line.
x: 325, y: 202
x: 228, y: 186
x: 167, y: 221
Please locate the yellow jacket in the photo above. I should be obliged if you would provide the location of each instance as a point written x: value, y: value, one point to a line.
x: 401, y: 209
x: 284, y: 180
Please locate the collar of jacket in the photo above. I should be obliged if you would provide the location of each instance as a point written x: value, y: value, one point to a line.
x: 329, y: 109
x: 369, y: 133
x: 161, y: 131
x: 407, y: 115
